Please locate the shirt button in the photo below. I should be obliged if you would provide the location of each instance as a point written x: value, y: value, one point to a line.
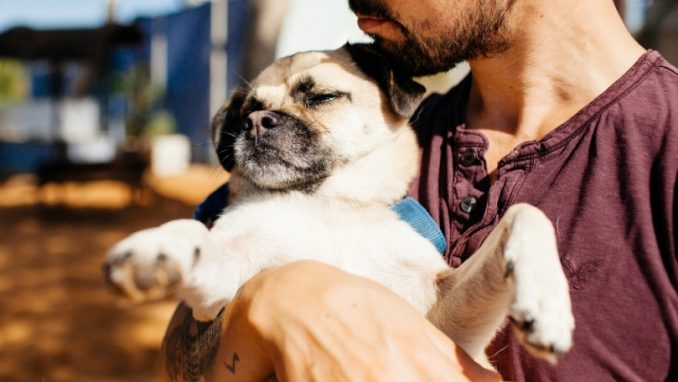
x: 468, y: 157
x: 468, y: 204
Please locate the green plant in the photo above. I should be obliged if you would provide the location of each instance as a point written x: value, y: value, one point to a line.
x: 14, y: 81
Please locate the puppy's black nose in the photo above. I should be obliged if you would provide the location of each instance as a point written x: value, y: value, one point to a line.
x: 259, y: 121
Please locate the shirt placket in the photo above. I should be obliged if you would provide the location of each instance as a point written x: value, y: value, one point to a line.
x: 477, y: 205
x: 470, y: 183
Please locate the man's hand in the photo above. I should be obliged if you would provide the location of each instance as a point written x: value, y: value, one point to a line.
x: 310, y: 321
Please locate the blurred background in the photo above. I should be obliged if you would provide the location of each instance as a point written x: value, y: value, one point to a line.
x: 104, y: 116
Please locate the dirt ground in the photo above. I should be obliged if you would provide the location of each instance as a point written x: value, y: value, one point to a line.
x: 58, y: 322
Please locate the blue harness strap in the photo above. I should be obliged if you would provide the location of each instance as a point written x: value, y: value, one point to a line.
x: 414, y: 214
x: 409, y: 210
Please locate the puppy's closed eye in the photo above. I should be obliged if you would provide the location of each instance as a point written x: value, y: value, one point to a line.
x: 318, y: 99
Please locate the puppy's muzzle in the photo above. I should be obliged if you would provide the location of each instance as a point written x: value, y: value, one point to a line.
x: 258, y: 123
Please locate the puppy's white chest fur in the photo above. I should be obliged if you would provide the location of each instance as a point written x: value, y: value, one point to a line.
x: 370, y: 241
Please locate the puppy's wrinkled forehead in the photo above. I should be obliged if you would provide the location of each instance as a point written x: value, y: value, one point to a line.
x: 306, y: 72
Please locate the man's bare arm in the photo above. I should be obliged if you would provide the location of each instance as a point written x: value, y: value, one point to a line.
x: 311, y: 321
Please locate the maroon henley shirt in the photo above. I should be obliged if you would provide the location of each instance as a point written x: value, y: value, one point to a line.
x: 607, y: 180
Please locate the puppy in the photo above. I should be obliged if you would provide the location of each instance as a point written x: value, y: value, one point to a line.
x: 320, y: 149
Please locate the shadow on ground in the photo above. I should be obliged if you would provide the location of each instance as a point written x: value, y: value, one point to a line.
x: 58, y: 322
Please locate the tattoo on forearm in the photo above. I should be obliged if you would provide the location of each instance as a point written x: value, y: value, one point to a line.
x: 191, y: 347
x: 231, y: 367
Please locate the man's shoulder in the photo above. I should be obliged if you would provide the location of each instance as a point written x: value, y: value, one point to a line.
x: 662, y: 78
x: 667, y: 68
x: 647, y: 110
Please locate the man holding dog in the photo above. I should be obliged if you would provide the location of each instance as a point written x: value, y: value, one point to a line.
x: 563, y: 110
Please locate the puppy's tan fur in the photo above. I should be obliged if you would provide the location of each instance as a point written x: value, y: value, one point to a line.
x: 320, y: 148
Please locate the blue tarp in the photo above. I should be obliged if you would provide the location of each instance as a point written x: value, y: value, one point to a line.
x: 24, y: 157
x: 187, y: 90
x: 188, y: 51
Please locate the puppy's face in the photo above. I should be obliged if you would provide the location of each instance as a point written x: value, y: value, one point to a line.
x: 307, y: 114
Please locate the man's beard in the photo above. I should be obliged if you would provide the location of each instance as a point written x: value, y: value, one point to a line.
x: 428, y: 48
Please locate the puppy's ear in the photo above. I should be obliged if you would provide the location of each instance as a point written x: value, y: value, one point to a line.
x: 404, y: 93
x: 226, y: 126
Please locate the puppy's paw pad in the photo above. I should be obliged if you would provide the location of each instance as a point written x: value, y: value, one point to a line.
x: 545, y: 328
x: 149, y: 265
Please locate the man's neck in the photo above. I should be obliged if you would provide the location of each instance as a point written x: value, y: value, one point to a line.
x: 561, y: 59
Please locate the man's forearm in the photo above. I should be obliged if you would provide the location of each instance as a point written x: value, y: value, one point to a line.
x: 226, y: 349
x: 310, y: 321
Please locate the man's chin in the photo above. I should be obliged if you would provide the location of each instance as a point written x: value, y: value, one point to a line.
x: 411, y: 61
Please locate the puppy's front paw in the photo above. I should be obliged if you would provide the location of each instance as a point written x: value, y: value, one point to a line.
x: 153, y: 263
x: 541, y: 310
x: 544, y: 323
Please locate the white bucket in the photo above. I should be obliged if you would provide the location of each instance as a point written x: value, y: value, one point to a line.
x: 170, y: 154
